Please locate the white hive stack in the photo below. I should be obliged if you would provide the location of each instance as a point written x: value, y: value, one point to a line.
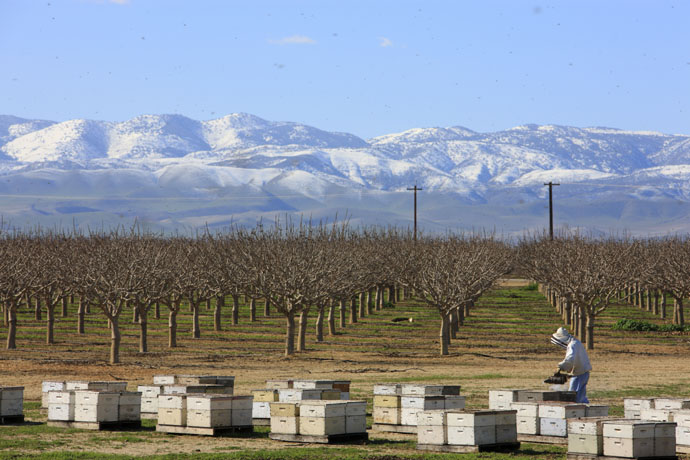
x: 149, y: 400
x: 172, y: 409
x: 312, y: 384
x: 296, y: 395
x: 261, y: 407
x: 553, y: 417
x: 61, y: 406
x: 11, y: 404
x: 585, y: 435
x: 129, y: 406
x: 633, y: 407
x: 410, y: 406
x: 682, y: 420
x: 502, y: 399
x: 72, y: 385
x: 209, y: 411
x: 471, y: 428
x: 96, y: 406
x: 285, y: 418
x: 48, y: 386
x: 527, y: 418
x: 387, y: 404
x: 322, y: 418
x: 629, y: 438
x: 432, y: 428
x: 181, y: 384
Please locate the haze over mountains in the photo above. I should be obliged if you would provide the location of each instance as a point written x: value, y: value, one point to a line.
x: 172, y: 172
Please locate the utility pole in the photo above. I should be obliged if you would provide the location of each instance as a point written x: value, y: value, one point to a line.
x: 551, y: 184
x: 415, y: 188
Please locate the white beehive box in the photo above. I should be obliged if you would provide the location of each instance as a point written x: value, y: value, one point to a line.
x: 164, y: 379
x: 682, y: 417
x: 387, y: 401
x: 320, y: 426
x: 265, y: 395
x: 502, y: 399
x: 408, y: 416
x: 11, y: 401
x: 95, y: 413
x: 149, y: 405
x: 96, y: 398
x: 172, y: 401
x: 632, y: 414
x: 591, y: 444
x: 387, y: 389
x: 48, y: 386
x: 387, y: 415
x: 415, y: 389
x: 423, y: 402
x: 526, y: 409
x: 196, y: 380
x: 150, y: 391
x: 432, y: 434
x: 206, y: 402
x: 629, y: 429
x: 553, y: 427
x: 562, y: 411
x: 313, y: 384
x: 61, y: 397
x: 683, y: 435
x: 355, y: 424
x: 169, y: 416
x: 293, y: 395
x: 471, y: 418
x: 261, y: 409
x: 527, y: 425
x: 322, y: 409
x: 219, y: 418
x: 671, y: 403
x: 279, y: 384
x: 290, y: 409
x: 596, y: 411
x: 629, y: 447
x: 431, y: 418
x: 284, y: 425
x: 471, y: 435
x: 61, y: 412
x: 656, y: 415
x: 638, y: 404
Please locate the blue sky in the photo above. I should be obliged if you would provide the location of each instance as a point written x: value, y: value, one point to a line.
x: 365, y: 67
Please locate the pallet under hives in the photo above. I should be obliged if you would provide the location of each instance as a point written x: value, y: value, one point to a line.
x: 11, y: 419
x: 539, y: 439
x: 99, y: 426
x: 389, y: 428
x: 203, y: 431
x: 321, y: 439
x: 502, y: 447
x: 574, y: 456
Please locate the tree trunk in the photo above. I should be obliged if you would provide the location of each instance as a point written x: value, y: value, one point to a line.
x: 235, y: 309
x: 64, y: 306
x: 656, y: 302
x: 143, y: 332
x: 461, y: 316
x: 217, y: 313
x: 88, y: 308
x: 377, y: 299
x: 37, y: 310
x: 157, y: 310
x: 81, y: 312
x: 11, y: 327
x: 196, y: 330
x: 467, y: 307
x: 575, y: 320
x: 391, y: 295
x: 443, y: 335
x: 353, y: 310
x: 252, y: 309
x: 50, y: 323
x: 331, y: 317
x: 135, y: 314
x: 649, y: 299
x: 208, y: 303
x: 342, y: 309
x: 590, y: 332
x: 369, y: 301
x: 362, y: 305
x: 454, y: 323
x: 267, y: 307
x: 583, y: 326
x: 663, y: 305
x: 115, y: 341
x: 319, y: 323
x: 172, y: 329
x: 402, y: 294
x: 290, y: 334
x: 5, y: 315
x: 678, y: 316
x: 302, y: 332
x: 567, y: 315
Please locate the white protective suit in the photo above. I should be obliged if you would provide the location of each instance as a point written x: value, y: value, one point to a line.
x: 576, y: 360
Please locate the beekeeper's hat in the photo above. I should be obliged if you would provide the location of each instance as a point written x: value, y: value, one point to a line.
x: 561, y: 337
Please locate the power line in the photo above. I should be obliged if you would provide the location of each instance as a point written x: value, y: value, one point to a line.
x: 415, y: 188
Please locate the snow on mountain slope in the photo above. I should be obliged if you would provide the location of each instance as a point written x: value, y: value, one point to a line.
x: 12, y: 127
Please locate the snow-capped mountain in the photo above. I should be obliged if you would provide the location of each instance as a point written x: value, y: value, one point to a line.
x: 171, y: 171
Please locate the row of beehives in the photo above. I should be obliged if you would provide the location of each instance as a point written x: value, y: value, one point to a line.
x: 400, y: 404
x: 182, y: 384
x: 293, y: 390
x: 543, y: 413
x: 204, y: 410
x: 318, y: 418
x: 662, y: 410
x: 11, y: 401
x: 93, y: 406
x: 74, y: 385
x: 621, y: 438
x: 466, y: 428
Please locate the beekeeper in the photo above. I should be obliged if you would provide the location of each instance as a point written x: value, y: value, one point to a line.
x: 576, y: 362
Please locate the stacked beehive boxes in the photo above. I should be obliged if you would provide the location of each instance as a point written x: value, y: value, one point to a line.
x: 633, y: 407
x: 639, y: 438
x: 261, y: 407
x: 61, y: 406
x: 129, y: 406
x: 72, y: 385
x: 149, y: 400
x: 400, y: 404
x: 181, y: 384
x: 196, y: 410
x: 682, y: 420
x: 318, y: 418
x: 48, y: 386
x: 96, y: 406
x: 294, y: 391
x: 553, y: 417
x: 11, y: 403
x: 466, y: 428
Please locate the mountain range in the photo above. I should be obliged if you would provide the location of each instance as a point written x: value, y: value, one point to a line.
x: 170, y: 172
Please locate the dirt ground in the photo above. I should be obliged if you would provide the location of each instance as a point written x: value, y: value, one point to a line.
x: 504, y: 344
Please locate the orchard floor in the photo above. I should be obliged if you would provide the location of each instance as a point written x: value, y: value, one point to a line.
x: 503, y: 344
